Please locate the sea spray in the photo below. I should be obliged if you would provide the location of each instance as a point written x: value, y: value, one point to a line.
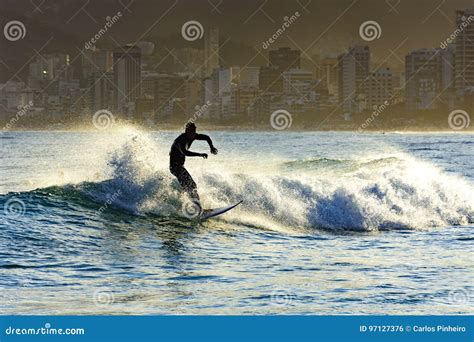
x: 394, y: 192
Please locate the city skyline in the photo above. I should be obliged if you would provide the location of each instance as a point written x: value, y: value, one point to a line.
x: 249, y: 25
x: 145, y: 82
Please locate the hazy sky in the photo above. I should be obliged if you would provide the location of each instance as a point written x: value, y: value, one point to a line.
x: 324, y: 26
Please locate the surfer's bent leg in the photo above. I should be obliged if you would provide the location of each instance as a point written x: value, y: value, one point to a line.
x: 186, y: 181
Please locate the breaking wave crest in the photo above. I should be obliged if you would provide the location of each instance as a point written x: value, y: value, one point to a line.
x: 393, y: 192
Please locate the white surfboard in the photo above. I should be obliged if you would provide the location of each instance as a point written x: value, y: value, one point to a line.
x: 208, y: 213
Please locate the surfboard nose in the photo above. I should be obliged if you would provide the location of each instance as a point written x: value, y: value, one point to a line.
x: 208, y: 213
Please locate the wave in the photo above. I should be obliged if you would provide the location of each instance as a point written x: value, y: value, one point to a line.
x: 464, y: 142
x: 393, y: 192
x: 326, y: 164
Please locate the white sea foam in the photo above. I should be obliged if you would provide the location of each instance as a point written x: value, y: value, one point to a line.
x: 395, y: 191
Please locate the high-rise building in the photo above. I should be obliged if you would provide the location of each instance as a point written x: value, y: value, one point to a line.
x: 297, y: 82
x: 169, y: 93
x: 361, y: 55
x: 101, y: 91
x: 353, y: 68
x: 346, y: 83
x: 447, y: 65
x: 189, y: 60
x: 148, y: 83
x: 464, y: 62
x: 49, y: 68
x: 237, y: 87
x: 299, y: 90
x: 249, y: 77
x: 227, y: 78
x: 423, y: 79
x: 469, y: 98
x: 244, y: 77
x: 447, y: 76
x: 96, y: 62
x: 145, y: 111
x: 270, y: 80
x: 229, y: 101
x: 379, y: 87
x: 211, y: 51
x: 193, y: 89
x: 326, y: 73
x: 127, y: 78
x: 14, y: 94
x: 246, y: 100
x: 210, y: 96
x: 285, y: 59
x: 237, y: 102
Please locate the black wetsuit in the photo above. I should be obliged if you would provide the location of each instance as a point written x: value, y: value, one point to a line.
x: 179, y: 151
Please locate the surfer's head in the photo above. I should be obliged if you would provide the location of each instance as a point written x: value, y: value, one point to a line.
x: 190, y: 130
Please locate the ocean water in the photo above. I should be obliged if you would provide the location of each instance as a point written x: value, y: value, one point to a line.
x: 331, y: 223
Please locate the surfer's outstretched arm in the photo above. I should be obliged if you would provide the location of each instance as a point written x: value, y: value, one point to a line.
x: 194, y: 154
x: 191, y: 154
x: 209, y: 141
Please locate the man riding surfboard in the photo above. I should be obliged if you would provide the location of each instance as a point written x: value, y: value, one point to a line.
x: 178, y: 153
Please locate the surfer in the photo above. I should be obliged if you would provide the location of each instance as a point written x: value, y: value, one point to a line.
x: 178, y: 153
